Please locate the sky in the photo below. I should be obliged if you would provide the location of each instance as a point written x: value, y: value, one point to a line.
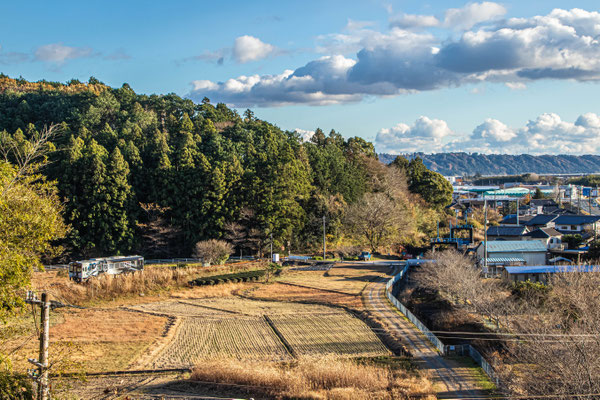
x: 490, y: 77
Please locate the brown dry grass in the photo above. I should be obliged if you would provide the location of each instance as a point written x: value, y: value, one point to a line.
x: 93, y: 340
x: 324, y: 377
x: 282, y: 292
x: 153, y: 280
x: 344, y: 278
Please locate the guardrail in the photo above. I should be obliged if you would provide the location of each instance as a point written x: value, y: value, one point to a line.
x: 465, y: 349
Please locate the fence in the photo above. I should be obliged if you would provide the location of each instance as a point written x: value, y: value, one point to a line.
x: 195, y: 260
x: 465, y: 349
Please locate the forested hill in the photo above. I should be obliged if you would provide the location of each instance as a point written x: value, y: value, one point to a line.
x: 451, y: 164
x: 155, y: 174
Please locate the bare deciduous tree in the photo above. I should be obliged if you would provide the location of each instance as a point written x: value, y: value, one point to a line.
x: 213, y: 251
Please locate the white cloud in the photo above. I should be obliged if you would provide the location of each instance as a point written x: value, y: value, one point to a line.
x: 546, y: 134
x: 494, y: 131
x: 560, y: 45
x: 424, y: 133
x: 411, y: 21
x: 472, y: 14
x: 248, y: 48
x: 58, y: 53
x: 304, y: 134
x: 516, y: 85
x: 12, y: 57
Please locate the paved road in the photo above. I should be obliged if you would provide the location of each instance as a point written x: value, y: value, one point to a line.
x: 456, y: 382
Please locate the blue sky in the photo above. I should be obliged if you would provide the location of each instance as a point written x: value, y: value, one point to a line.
x: 509, y: 77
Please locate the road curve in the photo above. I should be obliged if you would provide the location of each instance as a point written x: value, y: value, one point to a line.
x: 452, y: 379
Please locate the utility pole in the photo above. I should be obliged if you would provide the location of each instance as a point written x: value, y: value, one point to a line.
x: 42, y: 363
x: 517, y: 211
x: 485, y: 238
x: 271, y: 246
x: 324, y: 239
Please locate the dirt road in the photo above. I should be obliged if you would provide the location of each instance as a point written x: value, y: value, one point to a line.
x: 454, y: 381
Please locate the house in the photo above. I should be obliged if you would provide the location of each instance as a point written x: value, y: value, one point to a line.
x: 549, y: 236
x: 503, y: 232
x: 543, y: 206
x: 541, y: 221
x: 577, y: 224
x: 540, y: 273
x: 528, y: 252
x: 511, y: 219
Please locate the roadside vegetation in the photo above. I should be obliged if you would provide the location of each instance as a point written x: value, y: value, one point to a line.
x: 544, y: 337
x: 322, y: 377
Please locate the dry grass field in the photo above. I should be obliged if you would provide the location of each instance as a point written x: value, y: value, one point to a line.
x: 348, y: 279
x: 92, y: 340
x: 337, y: 333
x: 282, y: 292
x: 240, y: 338
x: 232, y: 327
x: 320, y: 377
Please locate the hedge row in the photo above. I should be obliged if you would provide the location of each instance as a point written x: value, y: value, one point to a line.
x: 245, y: 276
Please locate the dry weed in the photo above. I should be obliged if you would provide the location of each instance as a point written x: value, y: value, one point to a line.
x: 326, y: 377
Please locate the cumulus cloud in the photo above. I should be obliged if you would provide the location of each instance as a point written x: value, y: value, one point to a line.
x: 425, y: 132
x: 304, y: 134
x: 494, y: 131
x: 245, y: 49
x: 560, y: 45
x: 472, y: 14
x: 249, y: 48
x: 546, y: 134
x: 58, y: 53
x: 412, y: 21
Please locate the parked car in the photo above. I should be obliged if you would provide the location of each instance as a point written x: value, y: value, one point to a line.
x: 364, y: 256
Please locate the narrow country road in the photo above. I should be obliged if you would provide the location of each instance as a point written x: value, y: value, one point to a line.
x: 456, y: 382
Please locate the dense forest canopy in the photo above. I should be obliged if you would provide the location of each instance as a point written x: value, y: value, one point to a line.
x: 156, y: 174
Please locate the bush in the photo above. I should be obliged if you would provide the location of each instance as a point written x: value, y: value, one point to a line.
x: 245, y: 276
x: 15, y: 386
x: 213, y: 251
x: 573, y: 241
x: 348, y: 252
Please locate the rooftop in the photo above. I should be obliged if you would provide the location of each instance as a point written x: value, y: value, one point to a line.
x: 540, y: 219
x: 551, y: 269
x: 543, y: 233
x: 503, y: 230
x: 515, y: 246
x: 576, y: 219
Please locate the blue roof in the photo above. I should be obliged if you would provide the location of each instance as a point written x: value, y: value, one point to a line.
x: 502, y: 230
x: 515, y: 246
x: 550, y: 269
x: 540, y: 219
x: 576, y: 219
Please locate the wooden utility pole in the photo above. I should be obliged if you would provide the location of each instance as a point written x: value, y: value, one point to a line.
x: 44, y: 342
x: 43, y: 391
x: 324, y: 239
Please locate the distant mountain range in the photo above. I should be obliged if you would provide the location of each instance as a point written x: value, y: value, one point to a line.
x: 450, y: 164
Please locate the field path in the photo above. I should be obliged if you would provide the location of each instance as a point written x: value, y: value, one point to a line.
x: 455, y: 382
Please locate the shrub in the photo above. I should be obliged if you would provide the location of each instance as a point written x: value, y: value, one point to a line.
x: 213, y: 251
x: 573, y: 241
x: 15, y: 386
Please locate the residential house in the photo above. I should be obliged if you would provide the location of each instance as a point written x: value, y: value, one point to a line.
x: 584, y: 225
x: 540, y: 221
x: 549, y: 236
x: 504, y: 232
x: 502, y: 253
